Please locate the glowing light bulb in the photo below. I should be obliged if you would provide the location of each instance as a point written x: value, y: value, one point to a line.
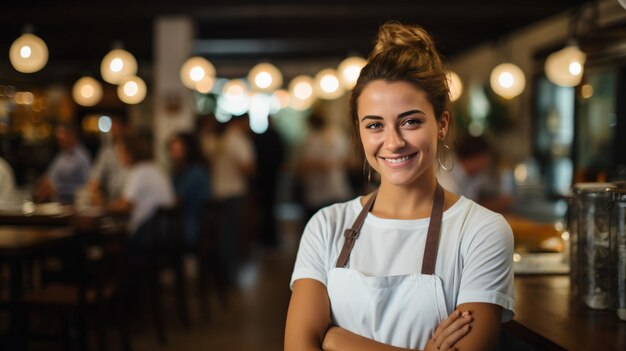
x: 195, y: 70
x: 327, y: 84
x: 25, y: 52
x: 349, y: 71
x: 87, y: 91
x: 118, y: 65
x: 507, y: 80
x: 575, y: 68
x: 265, y: 77
x: 132, y: 90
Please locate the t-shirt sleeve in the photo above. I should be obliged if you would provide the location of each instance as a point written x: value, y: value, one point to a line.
x: 131, y: 189
x: 487, y: 274
x: 310, y: 261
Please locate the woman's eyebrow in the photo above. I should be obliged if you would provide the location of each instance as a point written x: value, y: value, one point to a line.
x: 411, y: 112
x: 403, y: 114
x: 371, y: 117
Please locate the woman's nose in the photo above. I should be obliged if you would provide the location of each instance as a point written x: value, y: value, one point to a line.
x: 394, y: 140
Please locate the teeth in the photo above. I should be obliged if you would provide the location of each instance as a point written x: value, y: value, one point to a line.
x: 397, y: 160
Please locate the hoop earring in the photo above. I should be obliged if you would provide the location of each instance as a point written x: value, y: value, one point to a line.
x: 446, y: 147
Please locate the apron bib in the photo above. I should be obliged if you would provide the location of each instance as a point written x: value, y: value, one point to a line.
x: 403, y: 310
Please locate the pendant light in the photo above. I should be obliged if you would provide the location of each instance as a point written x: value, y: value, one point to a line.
x: 118, y: 65
x: 28, y: 53
x: 507, y: 80
x: 455, y: 85
x: 87, y: 91
x: 327, y: 85
x: 265, y: 77
x: 565, y: 67
x: 301, y: 95
x: 132, y: 90
x: 349, y: 70
x: 198, y: 73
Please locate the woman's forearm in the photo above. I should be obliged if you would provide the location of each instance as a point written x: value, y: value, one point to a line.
x: 338, y: 339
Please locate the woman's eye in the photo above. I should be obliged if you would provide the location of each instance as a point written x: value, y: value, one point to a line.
x: 373, y: 125
x: 412, y: 122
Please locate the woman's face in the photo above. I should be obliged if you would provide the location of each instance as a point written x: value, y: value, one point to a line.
x: 123, y: 155
x: 399, y: 131
x: 177, y: 152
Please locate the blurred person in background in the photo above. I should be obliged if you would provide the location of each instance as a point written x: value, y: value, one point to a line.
x: 269, y: 149
x: 323, y: 165
x: 472, y: 174
x: 108, y: 174
x: 191, y: 183
x: 146, y: 187
x: 7, y: 182
x: 68, y: 171
x: 233, y: 167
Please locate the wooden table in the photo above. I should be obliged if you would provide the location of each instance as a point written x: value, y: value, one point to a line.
x: 19, y: 243
x: 36, y: 218
x: 548, y: 318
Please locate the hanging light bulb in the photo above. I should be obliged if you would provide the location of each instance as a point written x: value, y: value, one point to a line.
x: 507, y: 80
x: 565, y: 67
x: 87, y: 91
x: 132, y: 90
x: 301, y: 95
x: 455, y: 85
x: 327, y: 84
x: 195, y: 71
x: 28, y: 53
x: 265, y: 77
x: 118, y: 65
x: 349, y: 70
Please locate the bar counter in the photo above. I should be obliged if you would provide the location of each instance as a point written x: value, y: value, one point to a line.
x: 548, y: 318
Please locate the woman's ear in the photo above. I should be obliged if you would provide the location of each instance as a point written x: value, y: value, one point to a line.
x: 444, y: 123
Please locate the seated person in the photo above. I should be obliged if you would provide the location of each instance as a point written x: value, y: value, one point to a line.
x: 146, y: 187
x: 68, y: 171
x: 471, y: 174
x: 191, y: 183
x: 7, y: 182
x: 108, y: 173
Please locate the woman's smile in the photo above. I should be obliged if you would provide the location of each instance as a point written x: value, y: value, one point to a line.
x: 398, y: 161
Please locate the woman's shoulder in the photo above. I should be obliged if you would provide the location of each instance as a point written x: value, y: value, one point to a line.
x: 480, y: 223
x: 336, y: 215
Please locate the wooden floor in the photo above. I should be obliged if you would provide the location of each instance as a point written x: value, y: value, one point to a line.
x: 255, y: 317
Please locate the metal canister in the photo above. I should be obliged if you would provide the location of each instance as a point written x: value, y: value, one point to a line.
x: 617, y: 238
x: 592, y: 201
x: 572, y: 243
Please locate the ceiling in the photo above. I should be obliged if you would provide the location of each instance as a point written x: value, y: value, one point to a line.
x: 80, y: 33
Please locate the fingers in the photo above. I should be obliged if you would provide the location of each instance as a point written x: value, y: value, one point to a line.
x: 452, y: 339
x: 446, y: 323
x: 452, y: 330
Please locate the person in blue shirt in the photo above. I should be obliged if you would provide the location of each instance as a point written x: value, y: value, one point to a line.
x: 191, y: 182
x: 68, y: 171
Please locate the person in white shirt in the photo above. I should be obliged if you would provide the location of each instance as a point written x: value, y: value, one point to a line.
x: 233, y: 166
x: 146, y: 188
x: 7, y: 182
x: 323, y: 165
x: 412, y: 265
x: 108, y: 174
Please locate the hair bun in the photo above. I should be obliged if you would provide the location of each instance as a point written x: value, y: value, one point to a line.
x: 392, y: 35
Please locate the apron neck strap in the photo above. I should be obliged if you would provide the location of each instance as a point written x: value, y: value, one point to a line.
x: 434, y: 229
x: 352, y: 233
x: 432, y: 238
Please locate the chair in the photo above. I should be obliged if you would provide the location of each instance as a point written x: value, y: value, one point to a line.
x: 96, y: 288
x: 209, y: 271
x: 163, y: 250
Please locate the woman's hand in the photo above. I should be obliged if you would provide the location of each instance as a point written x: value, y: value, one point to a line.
x: 450, y: 331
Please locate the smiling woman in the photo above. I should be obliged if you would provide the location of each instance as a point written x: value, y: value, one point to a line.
x: 411, y: 266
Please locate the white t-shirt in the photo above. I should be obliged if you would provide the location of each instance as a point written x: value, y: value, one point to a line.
x: 7, y: 182
x: 233, y: 150
x: 147, y: 189
x: 474, y: 260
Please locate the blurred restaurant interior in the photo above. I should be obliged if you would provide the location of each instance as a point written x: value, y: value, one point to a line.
x: 218, y: 128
